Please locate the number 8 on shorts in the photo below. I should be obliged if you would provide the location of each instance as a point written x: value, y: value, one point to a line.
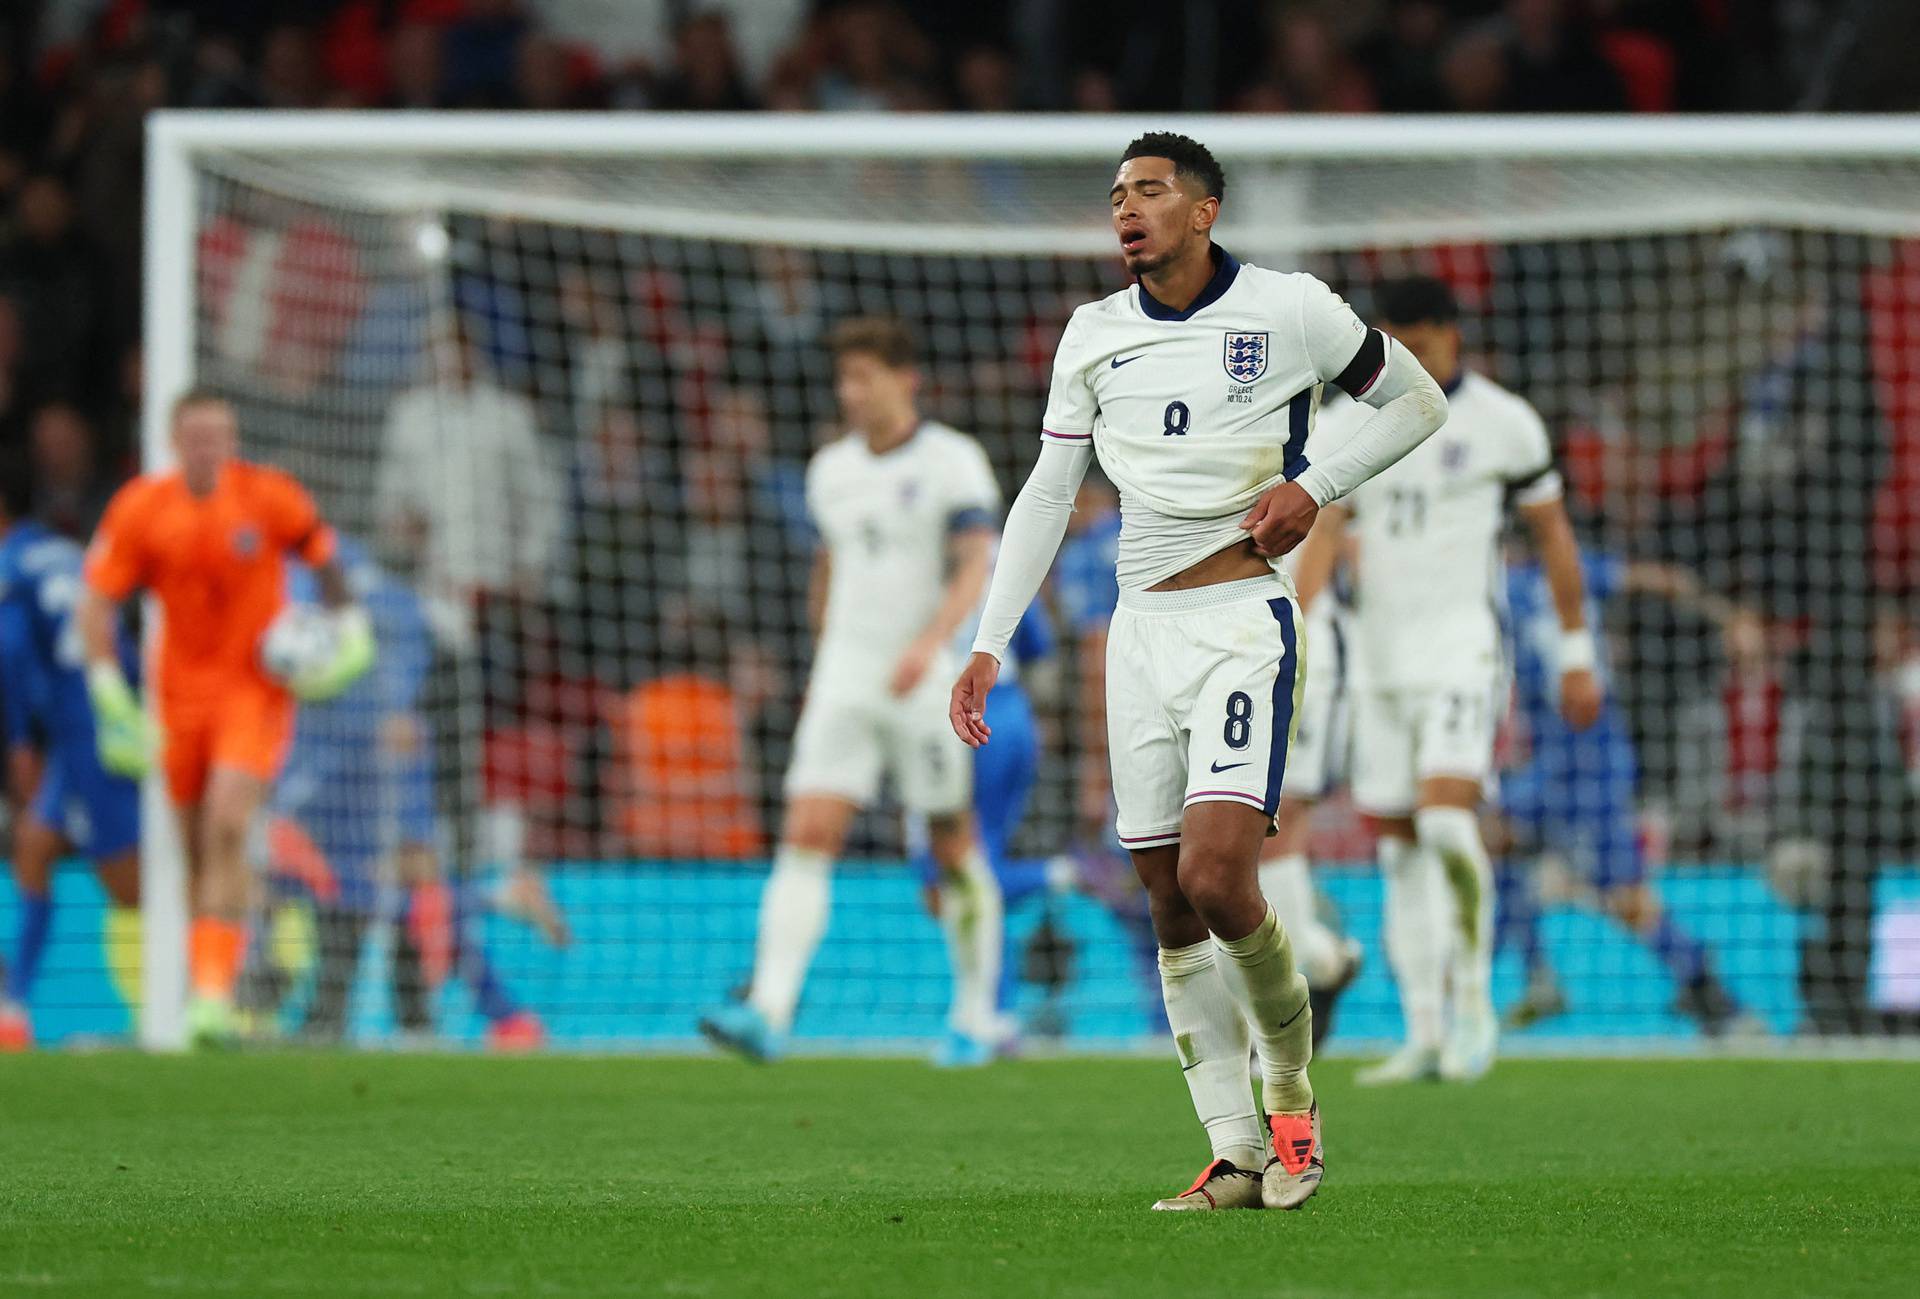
x: 1202, y: 690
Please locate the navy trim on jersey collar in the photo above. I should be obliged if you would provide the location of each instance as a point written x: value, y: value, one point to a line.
x: 1226, y: 266
x: 1452, y: 385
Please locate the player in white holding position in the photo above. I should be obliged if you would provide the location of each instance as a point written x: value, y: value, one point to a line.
x: 906, y: 511
x: 1197, y: 387
x: 1431, y: 679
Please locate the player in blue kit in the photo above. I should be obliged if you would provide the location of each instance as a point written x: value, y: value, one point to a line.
x: 65, y: 802
x: 1086, y: 593
x: 1574, y: 793
x: 352, y: 823
x: 1002, y: 784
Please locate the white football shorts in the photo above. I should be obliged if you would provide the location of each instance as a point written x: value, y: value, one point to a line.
x: 843, y: 747
x: 1404, y: 735
x: 1202, y: 691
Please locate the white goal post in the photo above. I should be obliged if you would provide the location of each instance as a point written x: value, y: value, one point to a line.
x: 1603, y: 247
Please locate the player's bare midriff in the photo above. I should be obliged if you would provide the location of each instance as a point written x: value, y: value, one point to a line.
x: 1236, y: 562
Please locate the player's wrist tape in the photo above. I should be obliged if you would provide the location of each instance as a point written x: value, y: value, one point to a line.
x: 1578, y: 651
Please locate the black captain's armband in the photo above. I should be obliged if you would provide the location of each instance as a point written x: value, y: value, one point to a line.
x: 1363, y: 371
x: 1517, y: 486
x: 1520, y: 482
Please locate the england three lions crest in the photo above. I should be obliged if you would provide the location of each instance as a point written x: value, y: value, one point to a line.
x: 1245, y: 356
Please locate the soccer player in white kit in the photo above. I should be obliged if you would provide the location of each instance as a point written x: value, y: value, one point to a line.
x: 1431, y: 678
x: 906, y: 509
x: 1197, y: 388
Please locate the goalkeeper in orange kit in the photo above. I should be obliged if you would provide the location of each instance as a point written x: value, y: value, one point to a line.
x: 209, y: 540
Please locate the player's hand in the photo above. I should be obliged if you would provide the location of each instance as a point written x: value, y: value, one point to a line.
x: 913, y: 665
x: 968, y: 706
x: 1280, y: 519
x: 353, y: 654
x: 1580, y: 698
x: 123, y: 732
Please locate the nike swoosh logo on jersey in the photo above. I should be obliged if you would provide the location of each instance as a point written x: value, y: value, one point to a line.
x: 1217, y: 768
x: 1117, y: 362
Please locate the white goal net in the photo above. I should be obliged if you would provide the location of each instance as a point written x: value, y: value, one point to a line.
x: 558, y: 379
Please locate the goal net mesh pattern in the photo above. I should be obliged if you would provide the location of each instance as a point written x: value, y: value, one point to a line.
x: 565, y: 404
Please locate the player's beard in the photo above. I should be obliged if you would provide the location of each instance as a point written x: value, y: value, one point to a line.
x: 1147, y: 264
x: 1142, y: 265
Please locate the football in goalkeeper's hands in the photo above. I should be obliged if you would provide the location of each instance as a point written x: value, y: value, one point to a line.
x: 302, y: 640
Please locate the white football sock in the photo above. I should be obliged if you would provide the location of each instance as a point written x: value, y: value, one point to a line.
x: 1272, y: 996
x: 1452, y: 835
x: 1289, y: 888
x: 1210, y: 1036
x: 970, y: 916
x: 793, y: 918
x: 1417, y: 932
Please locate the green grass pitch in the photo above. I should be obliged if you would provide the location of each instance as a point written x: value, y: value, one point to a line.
x: 331, y: 1175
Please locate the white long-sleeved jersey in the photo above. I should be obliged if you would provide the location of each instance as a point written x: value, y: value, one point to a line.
x: 1194, y: 414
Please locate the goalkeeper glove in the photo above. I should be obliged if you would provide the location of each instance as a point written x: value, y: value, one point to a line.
x: 352, y: 656
x: 122, y: 730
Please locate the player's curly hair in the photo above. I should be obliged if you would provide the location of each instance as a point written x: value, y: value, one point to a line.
x: 1191, y: 159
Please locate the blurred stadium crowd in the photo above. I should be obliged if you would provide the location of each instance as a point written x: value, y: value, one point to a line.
x: 78, y: 76
x: 637, y: 417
